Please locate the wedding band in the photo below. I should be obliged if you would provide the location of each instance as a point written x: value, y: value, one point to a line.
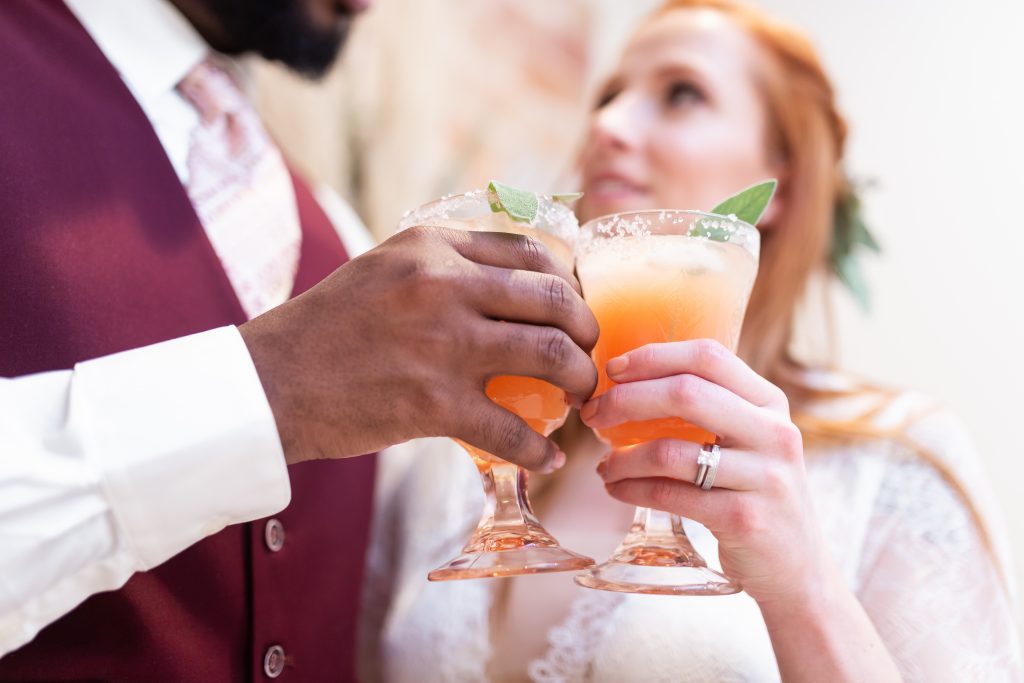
x: 702, y: 471
x: 707, y: 466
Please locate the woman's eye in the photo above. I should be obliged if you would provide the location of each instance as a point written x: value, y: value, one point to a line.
x: 681, y: 93
x: 605, y: 99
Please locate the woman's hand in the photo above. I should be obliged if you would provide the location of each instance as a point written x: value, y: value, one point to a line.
x: 769, y: 539
x: 759, y: 509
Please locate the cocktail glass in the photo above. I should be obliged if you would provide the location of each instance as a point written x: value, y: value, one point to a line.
x: 509, y: 539
x: 654, y: 277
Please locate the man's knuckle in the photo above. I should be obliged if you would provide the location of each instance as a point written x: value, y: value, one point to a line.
x: 556, y: 295
x: 435, y: 339
x: 531, y: 252
x: 413, y: 234
x: 511, y: 436
x: 510, y: 342
x: 555, y: 349
x: 593, y: 331
x: 422, y: 237
x: 428, y: 402
x: 434, y: 399
x: 467, y: 344
x: 418, y: 273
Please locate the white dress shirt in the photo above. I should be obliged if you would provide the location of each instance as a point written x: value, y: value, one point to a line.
x: 119, y: 464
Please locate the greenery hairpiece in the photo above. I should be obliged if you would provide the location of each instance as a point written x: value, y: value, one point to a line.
x: 849, y: 233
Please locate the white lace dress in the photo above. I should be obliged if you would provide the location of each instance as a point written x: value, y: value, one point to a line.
x: 902, y: 535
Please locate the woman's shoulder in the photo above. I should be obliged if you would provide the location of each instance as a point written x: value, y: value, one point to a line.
x: 842, y: 405
x: 928, y: 468
x: 901, y: 434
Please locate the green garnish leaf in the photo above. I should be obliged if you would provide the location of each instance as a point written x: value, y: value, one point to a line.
x: 707, y: 228
x: 849, y: 272
x: 749, y: 205
x: 520, y: 205
x: 849, y: 234
x: 567, y: 198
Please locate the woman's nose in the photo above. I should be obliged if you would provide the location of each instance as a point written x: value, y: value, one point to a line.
x: 619, y: 124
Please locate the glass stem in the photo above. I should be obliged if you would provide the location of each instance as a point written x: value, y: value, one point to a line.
x: 658, y: 537
x: 508, y: 521
x: 505, y: 488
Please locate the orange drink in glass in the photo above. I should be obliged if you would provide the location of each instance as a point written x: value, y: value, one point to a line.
x: 656, y: 277
x: 509, y: 539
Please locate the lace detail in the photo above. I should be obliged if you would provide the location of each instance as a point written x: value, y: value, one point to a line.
x: 929, y: 583
x: 574, y: 642
x: 428, y: 499
x: 904, y: 538
x: 913, y: 503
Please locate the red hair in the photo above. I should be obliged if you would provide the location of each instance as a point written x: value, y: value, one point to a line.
x: 807, y: 131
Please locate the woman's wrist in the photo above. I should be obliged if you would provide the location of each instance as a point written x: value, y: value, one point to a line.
x: 822, y: 633
x: 813, y: 598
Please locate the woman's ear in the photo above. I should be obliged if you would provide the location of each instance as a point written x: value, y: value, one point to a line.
x: 771, y: 214
x: 777, y: 207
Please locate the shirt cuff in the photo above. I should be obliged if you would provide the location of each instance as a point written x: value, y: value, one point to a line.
x: 184, y: 438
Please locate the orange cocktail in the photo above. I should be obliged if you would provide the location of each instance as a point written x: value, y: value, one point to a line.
x: 541, y: 404
x: 654, y: 277
x: 663, y: 288
x: 509, y: 539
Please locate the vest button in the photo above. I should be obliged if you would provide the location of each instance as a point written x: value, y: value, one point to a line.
x: 273, y: 661
x: 273, y: 535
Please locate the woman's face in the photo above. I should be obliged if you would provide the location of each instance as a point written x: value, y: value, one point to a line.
x: 681, y: 123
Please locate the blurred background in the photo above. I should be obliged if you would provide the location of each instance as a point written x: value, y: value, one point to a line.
x: 437, y: 96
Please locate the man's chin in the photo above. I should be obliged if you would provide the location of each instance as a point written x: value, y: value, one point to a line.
x: 282, y: 31
x: 352, y: 7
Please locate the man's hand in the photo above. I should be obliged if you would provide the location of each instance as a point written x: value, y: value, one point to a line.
x: 401, y: 342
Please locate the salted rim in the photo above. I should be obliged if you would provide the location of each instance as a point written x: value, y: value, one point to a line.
x: 639, y: 223
x: 553, y: 216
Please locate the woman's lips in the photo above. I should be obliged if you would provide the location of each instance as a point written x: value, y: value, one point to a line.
x: 612, y: 188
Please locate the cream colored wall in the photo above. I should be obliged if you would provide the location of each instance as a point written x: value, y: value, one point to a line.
x: 431, y: 99
x: 932, y: 89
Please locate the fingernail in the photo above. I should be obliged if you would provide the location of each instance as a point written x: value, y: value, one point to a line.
x: 617, y: 366
x: 559, y: 461
x: 575, y: 402
x: 589, y: 409
x: 555, y: 463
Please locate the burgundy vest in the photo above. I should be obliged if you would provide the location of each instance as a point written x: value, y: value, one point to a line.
x: 101, y: 251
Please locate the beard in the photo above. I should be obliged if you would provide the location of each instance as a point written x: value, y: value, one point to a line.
x: 279, y: 30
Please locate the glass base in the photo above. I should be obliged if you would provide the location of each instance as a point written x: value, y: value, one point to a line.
x: 509, y: 540
x: 657, y: 558
x: 624, y: 577
x: 499, y: 563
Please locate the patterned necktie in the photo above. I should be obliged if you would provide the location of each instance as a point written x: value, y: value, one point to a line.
x: 242, y: 191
